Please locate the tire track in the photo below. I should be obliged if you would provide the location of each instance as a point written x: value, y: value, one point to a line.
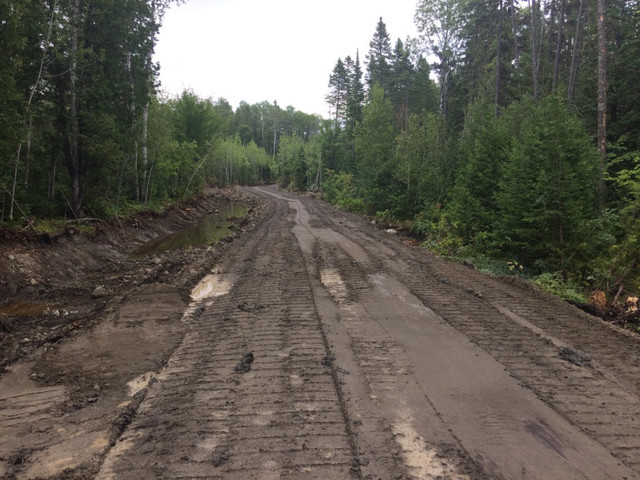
x: 601, y: 398
x: 281, y: 419
x: 399, y: 449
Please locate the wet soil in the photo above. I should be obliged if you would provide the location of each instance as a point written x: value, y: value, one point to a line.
x: 308, y: 343
x: 83, y: 322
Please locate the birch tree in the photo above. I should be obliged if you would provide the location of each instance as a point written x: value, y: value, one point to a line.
x: 602, y: 94
x: 439, y: 23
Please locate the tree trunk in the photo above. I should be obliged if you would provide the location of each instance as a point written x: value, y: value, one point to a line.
x: 575, y: 54
x: 74, y: 168
x: 148, y: 186
x: 157, y: 16
x: 556, y: 66
x: 602, y: 94
x: 516, y: 51
x: 274, y: 141
x: 134, y: 144
x: 27, y: 157
x: 145, y: 153
x: 444, y: 80
x: 15, y: 181
x: 498, y: 63
x: 534, y: 54
x: 51, y: 190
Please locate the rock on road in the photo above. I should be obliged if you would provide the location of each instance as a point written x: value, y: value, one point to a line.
x: 322, y: 347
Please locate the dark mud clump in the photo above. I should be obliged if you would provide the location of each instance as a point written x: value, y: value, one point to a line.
x: 244, y: 365
x: 574, y: 356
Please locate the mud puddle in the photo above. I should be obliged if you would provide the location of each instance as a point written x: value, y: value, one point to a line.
x: 210, y: 229
x: 27, y: 308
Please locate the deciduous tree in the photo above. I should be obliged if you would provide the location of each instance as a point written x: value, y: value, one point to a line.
x: 440, y: 23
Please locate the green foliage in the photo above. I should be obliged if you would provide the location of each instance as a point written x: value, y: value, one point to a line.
x: 339, y: 189
x: 339, y: 91
x: 292, y: 165
x: 440, y: 23
x: 300, y: 163
x: 546, y: 196
x: 374, y: 146
x: 625, y: 253
x: 440, y: 236
x: 527, y: 187
x: 556, y: 284
x: 379, y: 58
x: 425, y: 163
x: 423, y: 93
x: 196, y: 120
x: 355, y: 94
x: 233, y: 163
x: 483, y: 150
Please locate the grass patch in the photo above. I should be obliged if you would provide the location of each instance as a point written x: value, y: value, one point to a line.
x: 54, y: 227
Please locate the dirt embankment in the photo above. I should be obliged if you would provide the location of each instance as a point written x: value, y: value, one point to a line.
x: 80, y: 319
x: 53, y: 285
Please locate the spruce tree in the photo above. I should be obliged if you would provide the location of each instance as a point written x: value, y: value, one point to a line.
x: 401, y: 74
x: 356, y: 94
x: 379, y: 58
x: 338, y: 92
x: 374, y: 148
x: 423, y: 91
x: 546, y: 197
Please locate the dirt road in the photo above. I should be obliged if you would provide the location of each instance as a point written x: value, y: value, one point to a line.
x: 317, y: 345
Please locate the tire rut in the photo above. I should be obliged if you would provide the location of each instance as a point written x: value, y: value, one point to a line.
x: 601, y: 398
x: 283, y: 418
x: 332, y: 389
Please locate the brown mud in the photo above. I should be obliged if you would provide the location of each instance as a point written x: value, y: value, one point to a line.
x: 308, y: 343
x: 83, y: 322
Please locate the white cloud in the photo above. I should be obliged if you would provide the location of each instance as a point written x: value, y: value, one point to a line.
x: 283, y: 50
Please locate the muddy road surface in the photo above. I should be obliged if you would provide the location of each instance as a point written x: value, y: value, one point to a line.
x: 312, y: 344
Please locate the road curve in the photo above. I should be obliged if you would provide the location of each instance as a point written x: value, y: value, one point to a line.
x: 371, y: 358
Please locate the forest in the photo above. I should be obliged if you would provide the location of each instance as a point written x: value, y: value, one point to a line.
x: 506, y: 134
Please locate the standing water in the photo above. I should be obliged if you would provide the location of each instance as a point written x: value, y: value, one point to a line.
x: 210, y: 229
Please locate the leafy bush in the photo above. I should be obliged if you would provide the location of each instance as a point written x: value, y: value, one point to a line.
x: 440, y: 236
x: 339, y: 189
x: 555, y: 284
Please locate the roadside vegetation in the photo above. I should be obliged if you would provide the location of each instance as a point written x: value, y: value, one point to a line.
x: 519, y: 151
x: 507, y: 135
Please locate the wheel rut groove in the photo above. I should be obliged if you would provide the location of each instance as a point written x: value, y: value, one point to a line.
x: 601, y: 399
x: 283, y: 418
x: 362, y: 347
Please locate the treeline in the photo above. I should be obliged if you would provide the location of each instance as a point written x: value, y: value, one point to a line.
x: 83, y: 130
x: 518, y: 146
x: 508, y: 132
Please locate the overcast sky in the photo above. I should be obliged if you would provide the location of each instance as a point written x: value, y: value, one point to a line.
x: 282, y: 50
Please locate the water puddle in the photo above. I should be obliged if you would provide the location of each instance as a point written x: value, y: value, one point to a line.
x: 203, y: 294
x: 209, y: 230
x: 22, y: 307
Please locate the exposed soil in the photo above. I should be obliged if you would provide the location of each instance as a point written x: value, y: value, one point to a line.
x: 307, y: 344
x: 85, y: 320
